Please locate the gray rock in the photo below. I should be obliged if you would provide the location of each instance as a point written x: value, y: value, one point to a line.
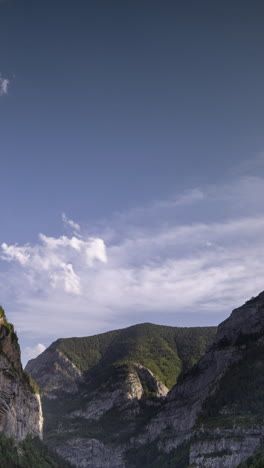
x: 20, y: 408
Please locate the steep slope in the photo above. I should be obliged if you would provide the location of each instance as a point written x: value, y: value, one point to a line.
x: 234, y: 412
x: 217, y: 408
x: 97, y: 390
x: 20, y: 407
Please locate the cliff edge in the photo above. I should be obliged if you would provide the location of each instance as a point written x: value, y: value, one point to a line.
x: 20, y: 405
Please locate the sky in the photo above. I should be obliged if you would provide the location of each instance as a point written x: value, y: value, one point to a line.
x: 131, y: 163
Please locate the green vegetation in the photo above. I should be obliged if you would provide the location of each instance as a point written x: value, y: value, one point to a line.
x: 9, y: 326
x: 30, y: 453
x: 17, y: 369
x: 31, y: 383
x: 166, y: 351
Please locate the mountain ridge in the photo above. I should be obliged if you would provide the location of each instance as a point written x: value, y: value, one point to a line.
x: 116, y: 379
x: 136, y: 343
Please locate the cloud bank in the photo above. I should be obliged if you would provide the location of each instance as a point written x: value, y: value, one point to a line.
x: 187, y: 260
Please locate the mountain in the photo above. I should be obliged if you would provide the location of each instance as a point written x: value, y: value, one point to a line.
x: 98, y: 392
x: 136, y: 397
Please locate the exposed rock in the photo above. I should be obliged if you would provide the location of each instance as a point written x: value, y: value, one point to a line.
x: 20, y: 406
x: 55, y: 371
x: 153, y: 384
x: 91, y: 453
x: 224, y: 448
x: 123, y: 393
x: 245, y: 321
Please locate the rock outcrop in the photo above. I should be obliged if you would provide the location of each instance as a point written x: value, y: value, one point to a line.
x: 54, y: 372
x: 20, y: 405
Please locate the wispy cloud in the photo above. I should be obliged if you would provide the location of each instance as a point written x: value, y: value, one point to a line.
x: 253, y: 165
x: 70, y: 223
x: 4, y: 85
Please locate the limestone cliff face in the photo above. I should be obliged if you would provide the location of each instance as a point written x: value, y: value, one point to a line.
x: 54, y: 372
x: 122, y: 395
x: 20, y: 406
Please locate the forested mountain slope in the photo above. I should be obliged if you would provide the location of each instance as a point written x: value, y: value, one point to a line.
x: 106, y: 387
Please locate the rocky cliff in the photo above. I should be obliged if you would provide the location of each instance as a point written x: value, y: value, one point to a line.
x: 216, y: 408
x: 20, y: 406
x: 230, y: 426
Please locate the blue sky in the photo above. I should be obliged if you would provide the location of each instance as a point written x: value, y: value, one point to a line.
x: 131, y: 156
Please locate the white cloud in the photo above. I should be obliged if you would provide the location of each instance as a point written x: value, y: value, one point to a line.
x: 32, y: 352
x: 95, y: 251
x: 63, y: 241
x: 13, y: 252
x: 70, y: 223
x: 71, y: 280
x: 4, y: 84
x: 52, y: 262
